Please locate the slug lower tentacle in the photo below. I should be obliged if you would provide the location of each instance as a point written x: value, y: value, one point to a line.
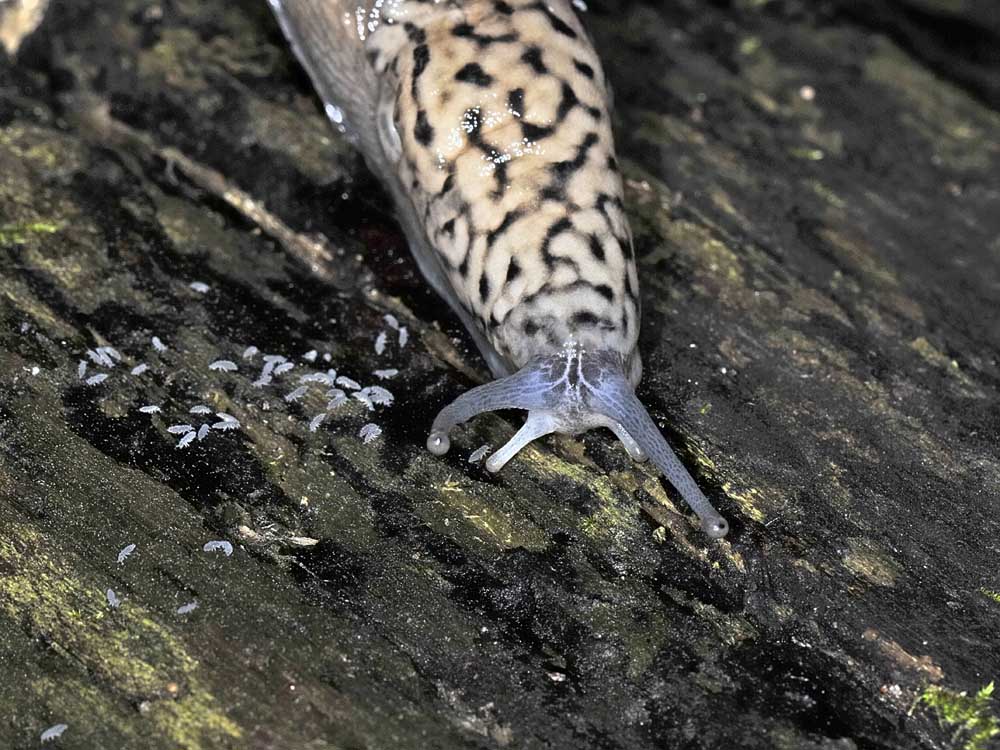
x: 488, y: 122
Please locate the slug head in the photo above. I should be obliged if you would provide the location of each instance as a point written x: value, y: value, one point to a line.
x: 573, y: 391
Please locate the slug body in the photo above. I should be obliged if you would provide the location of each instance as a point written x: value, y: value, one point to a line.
x: 488, y: 122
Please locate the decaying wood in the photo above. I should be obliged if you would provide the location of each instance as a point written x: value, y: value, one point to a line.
x: 817, y: 216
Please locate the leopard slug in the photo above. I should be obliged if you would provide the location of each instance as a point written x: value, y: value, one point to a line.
x: 488, y: 121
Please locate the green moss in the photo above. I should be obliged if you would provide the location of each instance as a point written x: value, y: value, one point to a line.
x: 127, y: 648
x: 969, y: 716
x: 614, y: 514
x: 486, y: 519
x: 871, y: 563
x: 994, y: 595
x: 13, y: 234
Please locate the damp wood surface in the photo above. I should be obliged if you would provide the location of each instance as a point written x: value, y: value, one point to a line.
x: 815, y: 198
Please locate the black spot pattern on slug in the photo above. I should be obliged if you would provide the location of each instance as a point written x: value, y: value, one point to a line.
x: 596, y: 248
x: 533, y: 57
x: 513, y: 271
x: 474, y: 74
x: 423, y: 131
x: 584, y: 69
x: 508, y: 154
x: 466, y: 31
x: 515, y: 102
x: 535, y: 132
x: 557, y: 23
x: 508, y: 219
x: 415, y: 34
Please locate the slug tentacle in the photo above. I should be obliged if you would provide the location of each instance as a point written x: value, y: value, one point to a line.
x: 573, y: 391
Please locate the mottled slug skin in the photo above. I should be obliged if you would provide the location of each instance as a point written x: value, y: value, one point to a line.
x: 488, y: 121
x: 493, y: 116
x: 506, y: 146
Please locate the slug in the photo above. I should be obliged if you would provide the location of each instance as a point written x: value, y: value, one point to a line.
x: 488, y: 121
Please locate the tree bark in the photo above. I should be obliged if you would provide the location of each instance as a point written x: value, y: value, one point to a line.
x: 816, y: 206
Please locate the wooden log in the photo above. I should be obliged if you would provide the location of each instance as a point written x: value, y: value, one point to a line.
x: 816, y: 218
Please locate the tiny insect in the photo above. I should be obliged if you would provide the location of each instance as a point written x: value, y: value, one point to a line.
x: 157, y: 344
x: 326, y: 378
x: 386, y: 374
x: 297, y: 393
x: 404, y: 336
x: 81, y: 369
x: 369, y: 432
x: 274, y: 359
x: 479, y: 454
x: 151, y: 409
x: 380, y: 341
x: 111, y: 352
x: 186, y: 440
x: 364, y: 399
x: 186, y: 609
x: 199, y: 286
x: 54, y: 732
x: 380, y: 395
x: 316, y: 421
x: 96, y: 379
x: 100, y: 358
x: 249, y: 352
x: 203, y: 431
x: 390, y: 320
x: 199, y: 409
x: 310, y: 356
x: 179, y: 429
x: 223, y: 365
x: 113, y: 601
x: 345, y: 382
x: 226, y: 424
x: 283, y: 368
x: 124, y: 552
x: 140, y: 368
x: 218, y: 546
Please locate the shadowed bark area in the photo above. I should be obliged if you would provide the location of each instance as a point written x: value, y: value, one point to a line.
x: 816, y: 204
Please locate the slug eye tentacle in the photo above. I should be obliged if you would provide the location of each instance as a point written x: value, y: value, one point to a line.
x: 570, y: 392
x: 614, y: 398
x: 527, y: 389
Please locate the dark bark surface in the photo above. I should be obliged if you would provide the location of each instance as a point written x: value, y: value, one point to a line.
x: 815, y: 193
